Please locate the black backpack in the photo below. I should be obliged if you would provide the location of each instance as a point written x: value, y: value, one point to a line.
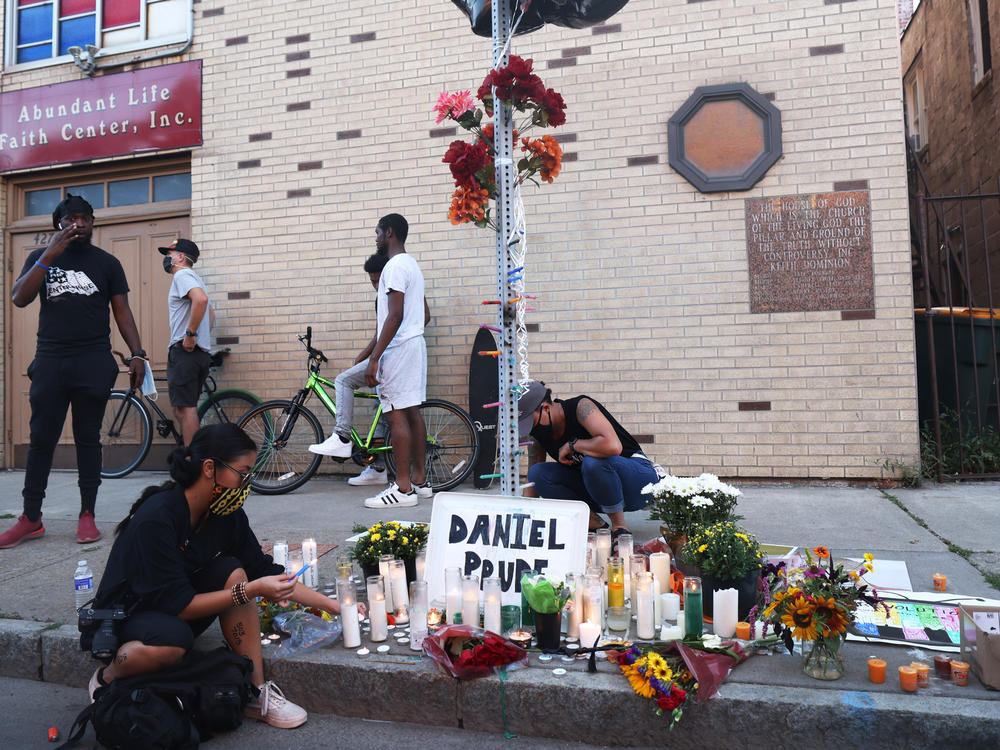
x: 173, y: 709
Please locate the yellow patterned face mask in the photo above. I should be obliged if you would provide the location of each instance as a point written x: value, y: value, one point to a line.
x: 226, y: 500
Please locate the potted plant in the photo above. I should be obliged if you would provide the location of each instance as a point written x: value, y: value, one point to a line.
x: 683, y: 505
x: 546, y: 602
x: 402, y: 541
x: 729, y: 557
x: 815, y: 605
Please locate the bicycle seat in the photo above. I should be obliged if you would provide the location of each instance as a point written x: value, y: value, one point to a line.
x: 218, y: 355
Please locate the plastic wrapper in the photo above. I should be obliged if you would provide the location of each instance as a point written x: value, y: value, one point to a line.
x: 710, y: 668
x: 574, y: 14
x: 306, y: 632
x: 464, y: 651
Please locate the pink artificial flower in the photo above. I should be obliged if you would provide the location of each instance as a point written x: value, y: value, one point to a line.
x: 453, y: 104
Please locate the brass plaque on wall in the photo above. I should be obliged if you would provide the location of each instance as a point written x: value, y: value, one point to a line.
x: 810, y: 252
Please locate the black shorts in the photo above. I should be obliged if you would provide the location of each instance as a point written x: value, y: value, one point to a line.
x: 186, y: 374
x: 154, y: 628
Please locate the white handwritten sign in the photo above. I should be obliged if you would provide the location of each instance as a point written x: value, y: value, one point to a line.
x: 504, y: 537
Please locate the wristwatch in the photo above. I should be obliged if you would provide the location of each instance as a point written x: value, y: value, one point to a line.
x: 139, y: 353
x: 189, y: 332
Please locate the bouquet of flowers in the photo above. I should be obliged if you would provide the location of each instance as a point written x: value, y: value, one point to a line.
x: 267, y: 611
x: 677, y: 673
x: 465, y: 651
x: 541, y: 595
x: 725, y: 551
x: 685, y: 504
x: 388, y: 538
x: 472, y: 164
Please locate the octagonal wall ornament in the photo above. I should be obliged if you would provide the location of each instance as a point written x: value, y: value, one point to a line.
x: 724, y: 138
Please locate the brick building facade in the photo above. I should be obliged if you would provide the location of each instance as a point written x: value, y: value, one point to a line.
x: 317, y: 121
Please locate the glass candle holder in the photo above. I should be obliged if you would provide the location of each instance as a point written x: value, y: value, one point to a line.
x: 626, y: 546
x: 279, y: 552
x: 310, y: 555
x: 420, y: 564
x: 383, y: 570
x: 693, y: 617
x: 376, y: 607
x: 574, y: 605
x: 637, y: 565
x: 510, y: 619
x: 294, y: 562
x: 591, y: 549
x: 491, y: 605
x: 659, y: 566
x: 418, y: 614
x: 644, y: 606
x: 400, y: 594
x: 616, y: 582
x: 349, y: 614
x: 619, y: 619
x: 453, y: 593
x: 603, y: 547
x: 345, y: 567
x: 595, y: 601
x: 470, y: 600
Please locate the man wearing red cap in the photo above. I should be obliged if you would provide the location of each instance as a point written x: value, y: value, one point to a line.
x: 78, y: 284
x: 189, y: 355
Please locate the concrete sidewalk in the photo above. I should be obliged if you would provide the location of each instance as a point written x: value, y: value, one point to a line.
x: 38, y: 638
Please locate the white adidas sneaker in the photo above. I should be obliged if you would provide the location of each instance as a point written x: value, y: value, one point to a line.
x: 392, y: 497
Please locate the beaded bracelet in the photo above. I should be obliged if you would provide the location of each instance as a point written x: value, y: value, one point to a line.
x: 240, y: 594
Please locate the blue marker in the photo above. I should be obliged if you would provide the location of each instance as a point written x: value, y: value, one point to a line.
x: 301, y: 571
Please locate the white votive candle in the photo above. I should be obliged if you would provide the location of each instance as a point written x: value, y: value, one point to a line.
x: 470, y: 600
x: 348, y: 614
x: 644, y: 607
x: 670, y: 606
x: 383, y: 570
x: 376, y: 608
x: 575, y: 605
x: 659, y: 566
x: 725, y: 604
x: 311, y: 577
x: 400, y: 595
x: 590, y: 633
x: 453, y: 593
x: 491, y: 605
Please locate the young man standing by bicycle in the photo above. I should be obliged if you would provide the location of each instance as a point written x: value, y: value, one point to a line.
x: 398, y: 364
x: 189, y: 356
x: 78, y: 285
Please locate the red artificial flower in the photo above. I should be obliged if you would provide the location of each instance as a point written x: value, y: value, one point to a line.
x: 672, y: 701
x: 554, y: 107
x: 519, y: 67
x: 465, y: 160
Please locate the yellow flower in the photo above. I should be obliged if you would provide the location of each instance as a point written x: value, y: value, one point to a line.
x: 703, y: 547
x: 391, y: 534
x: 869, y: 567
x: 404, y: 540
x: 376, y: 537
x: 869, y: 557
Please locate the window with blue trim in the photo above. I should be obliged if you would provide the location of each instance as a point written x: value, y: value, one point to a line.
x: 45, y: 29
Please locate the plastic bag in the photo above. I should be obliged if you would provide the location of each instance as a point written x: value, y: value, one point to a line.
x: 574, y: 14
x: 541, y: 595
x: 306, y: 632
x: 148, y: 387
x: 464, y: 651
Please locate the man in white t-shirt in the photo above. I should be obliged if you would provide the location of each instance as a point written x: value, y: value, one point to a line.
x: 398, y: 364
x: 189, y: 355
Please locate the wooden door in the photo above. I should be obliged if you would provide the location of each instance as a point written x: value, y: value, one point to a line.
x: 134, y: 243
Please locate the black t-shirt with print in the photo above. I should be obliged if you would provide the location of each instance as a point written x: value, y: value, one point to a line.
x: 154, y: 559
x: 76, y: 300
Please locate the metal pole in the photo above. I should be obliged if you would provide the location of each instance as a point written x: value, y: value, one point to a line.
x: 507, y: 442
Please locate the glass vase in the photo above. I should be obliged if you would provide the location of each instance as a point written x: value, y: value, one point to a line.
x: 822, y: 659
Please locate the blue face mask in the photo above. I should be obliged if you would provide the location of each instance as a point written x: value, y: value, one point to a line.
x: 167, y: 263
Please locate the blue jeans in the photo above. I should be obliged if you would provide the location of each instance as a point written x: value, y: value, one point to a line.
x: 617, y: 482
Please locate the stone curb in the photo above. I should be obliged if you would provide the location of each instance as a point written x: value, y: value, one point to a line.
x: 594, y: 708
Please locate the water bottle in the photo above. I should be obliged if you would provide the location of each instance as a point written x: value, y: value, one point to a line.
x: 83, y: 582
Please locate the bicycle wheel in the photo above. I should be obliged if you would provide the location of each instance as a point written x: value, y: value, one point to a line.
x: 452, y: 445
x: 126, y: 434
x: 283, y: 433
x: 226, y: 406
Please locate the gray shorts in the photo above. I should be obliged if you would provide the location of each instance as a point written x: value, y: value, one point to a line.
x: 186, y: 374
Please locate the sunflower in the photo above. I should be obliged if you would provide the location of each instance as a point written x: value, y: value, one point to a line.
x: 638, y: 682
x: 657, y: 668
x: 821, y: 552
x: 776, y: 600
x: 799, y: 618
x: 830, y: 613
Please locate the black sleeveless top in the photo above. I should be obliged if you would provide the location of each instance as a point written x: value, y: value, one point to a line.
x: 575, y: 430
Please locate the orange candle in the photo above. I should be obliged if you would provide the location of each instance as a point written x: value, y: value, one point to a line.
x: 876, y: 670
x: 959, y: 672
x: 940, y: 582
x: 743, y: 631
x: 908, y: 679
x: 923, y: 673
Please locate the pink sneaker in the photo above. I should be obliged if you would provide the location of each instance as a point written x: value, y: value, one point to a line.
x: 20, y: 531
x: 86, y: 529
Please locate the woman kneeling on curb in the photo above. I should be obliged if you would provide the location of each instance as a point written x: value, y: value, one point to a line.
x: 186, y: 555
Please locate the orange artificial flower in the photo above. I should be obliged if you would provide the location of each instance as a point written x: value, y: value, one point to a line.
x: 821, y: 552
x: 468, y: 204
x: 548, y: 149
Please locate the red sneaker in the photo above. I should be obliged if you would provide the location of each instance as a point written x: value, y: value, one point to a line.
x: 86, y: 529
x: 20, y: 531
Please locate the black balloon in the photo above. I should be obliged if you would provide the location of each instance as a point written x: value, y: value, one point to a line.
x: 573, y: 14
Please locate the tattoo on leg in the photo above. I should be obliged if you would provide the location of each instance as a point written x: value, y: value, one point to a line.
x: 238, y: 632
x: 121, y: 659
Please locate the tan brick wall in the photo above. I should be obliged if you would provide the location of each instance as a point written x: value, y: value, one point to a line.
x: 642, y: 282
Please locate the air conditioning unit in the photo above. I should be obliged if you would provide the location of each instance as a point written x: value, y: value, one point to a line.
x: 915, y: 141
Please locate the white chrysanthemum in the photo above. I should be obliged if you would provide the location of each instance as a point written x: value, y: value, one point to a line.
x: 700, y: 501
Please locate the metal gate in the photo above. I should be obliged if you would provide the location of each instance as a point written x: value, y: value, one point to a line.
x: 956, y: 275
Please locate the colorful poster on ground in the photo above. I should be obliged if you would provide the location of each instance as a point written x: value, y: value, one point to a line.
x: 923, y: 619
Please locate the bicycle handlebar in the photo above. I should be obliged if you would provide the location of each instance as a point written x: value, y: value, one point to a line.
x: 313, y: 353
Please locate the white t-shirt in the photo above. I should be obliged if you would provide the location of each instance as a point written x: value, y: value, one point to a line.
x: 402, y: 274
x: 179, y: 307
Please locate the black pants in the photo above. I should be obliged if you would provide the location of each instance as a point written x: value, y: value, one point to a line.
x: 82, y: 381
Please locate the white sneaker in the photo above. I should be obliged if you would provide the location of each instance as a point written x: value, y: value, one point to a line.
x: 370, y: 475
x: 392, y: 497
x: 333, y: 446
x: 424, y: 491
x: 272, y: 707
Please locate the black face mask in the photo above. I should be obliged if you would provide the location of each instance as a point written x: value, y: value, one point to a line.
x: 543, y: 432
x: 167, y: 263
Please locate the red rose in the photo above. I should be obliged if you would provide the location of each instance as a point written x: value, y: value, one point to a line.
x: 555, y: 108
x: 519, y: 67
x: 465, y: 160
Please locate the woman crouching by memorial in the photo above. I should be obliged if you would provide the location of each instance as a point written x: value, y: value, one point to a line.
x: 185, y: 555
x: 598, y: 460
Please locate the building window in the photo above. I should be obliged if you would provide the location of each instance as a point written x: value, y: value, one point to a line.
x: 913, y: 105
x: 43, y: 30
x: 131, y: 191
x: 979, y: 39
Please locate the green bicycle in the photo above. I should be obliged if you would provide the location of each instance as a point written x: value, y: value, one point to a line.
x: 284, y: 430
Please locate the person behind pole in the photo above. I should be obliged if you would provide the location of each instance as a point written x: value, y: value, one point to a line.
x: 186, y: 555
x: 398, y: 364
x: 597, y: 460
x: 339, y: 443
x: 78, y: 285
x: 189, y: 355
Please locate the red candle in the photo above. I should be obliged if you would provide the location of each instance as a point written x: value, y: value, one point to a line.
x: 942, y: 666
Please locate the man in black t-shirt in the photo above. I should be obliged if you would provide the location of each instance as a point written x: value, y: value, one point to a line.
x: 77, y: 284
x: 597, y: 460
